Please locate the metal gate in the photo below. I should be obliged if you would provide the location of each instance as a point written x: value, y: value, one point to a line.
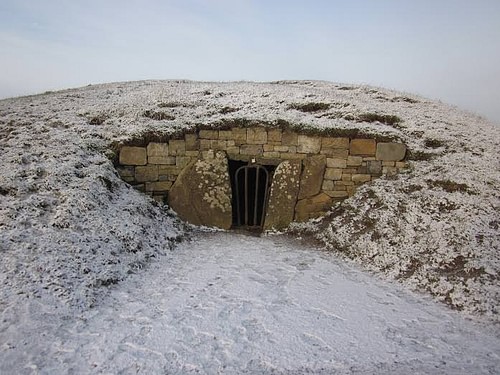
x: 252, y: 186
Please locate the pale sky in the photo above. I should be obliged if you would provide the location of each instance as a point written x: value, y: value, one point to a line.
x: 442, y: 49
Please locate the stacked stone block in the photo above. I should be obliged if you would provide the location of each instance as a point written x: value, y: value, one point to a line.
x: 331, y: 167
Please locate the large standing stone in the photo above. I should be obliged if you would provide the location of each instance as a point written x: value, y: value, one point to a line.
x: 283, y: 195
x: 133, y: 155
x: 201, y: 195
x: 390, y: 151
x: 312, y: 176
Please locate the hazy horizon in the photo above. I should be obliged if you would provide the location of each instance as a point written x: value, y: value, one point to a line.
x: 446, y: 50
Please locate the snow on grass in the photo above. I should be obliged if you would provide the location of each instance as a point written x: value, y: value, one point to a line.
x: 69, y: 227
x: 231, y: 304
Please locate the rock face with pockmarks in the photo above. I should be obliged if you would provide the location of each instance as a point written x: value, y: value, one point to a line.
x: 283, y: 195
x: 201, y: 194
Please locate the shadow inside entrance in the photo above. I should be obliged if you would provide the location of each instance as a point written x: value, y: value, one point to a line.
x: 250, y: 183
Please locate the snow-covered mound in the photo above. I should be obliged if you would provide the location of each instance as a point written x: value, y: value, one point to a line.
x: 69, y: 225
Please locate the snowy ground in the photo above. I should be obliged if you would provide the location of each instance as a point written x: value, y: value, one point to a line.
x: 92, y: 279
x: 69, y: 226
x: 232, y: 303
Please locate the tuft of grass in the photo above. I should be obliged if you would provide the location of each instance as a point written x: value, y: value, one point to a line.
x: 310, y: 107
x: 97, y: 119
x: 158, y: 115
x: 175, y: 105
x: 419, y: 155
x: 375, y: 117
x: 107, y: 183
x: 450, y: 186
x: 4, y: 191
x: 433, y: 143
x: 412, y: 266
x: 404, y: 99
x: 459, y: 267
x: 412, y: 188
x: 225, y: 110
x: 169, y: 105
x: 225, y: 124
x: 155, y: 135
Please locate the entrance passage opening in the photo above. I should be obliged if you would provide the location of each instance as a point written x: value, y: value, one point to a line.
x: 250, y: 183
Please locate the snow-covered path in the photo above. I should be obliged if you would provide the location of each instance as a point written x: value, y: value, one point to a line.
x: 232, y: 303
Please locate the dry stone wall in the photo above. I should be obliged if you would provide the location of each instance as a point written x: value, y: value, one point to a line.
x: 330, y: 168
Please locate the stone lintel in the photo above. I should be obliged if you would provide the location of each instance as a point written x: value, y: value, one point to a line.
x: 308, y: 144
x: 256, y: 136
x: 360, y: 146
x: 334, y: 143
x: 390, y: 151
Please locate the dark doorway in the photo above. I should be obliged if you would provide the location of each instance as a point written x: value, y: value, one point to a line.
x: 250, y: 183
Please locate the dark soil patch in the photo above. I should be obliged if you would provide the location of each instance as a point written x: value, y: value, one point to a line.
x: 227, y: 110
x: 419, y: 155
x: 458, y: 267
x: 404, y: 99
x: 158, y: 115
x: 434, y: 143
x: 98, y: 119
x: 450, y: 186
x: 310, y: 107
x: 412, y: 188
x: 375, y: 117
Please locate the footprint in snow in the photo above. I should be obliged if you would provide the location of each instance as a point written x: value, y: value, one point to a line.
x: 317, y: 342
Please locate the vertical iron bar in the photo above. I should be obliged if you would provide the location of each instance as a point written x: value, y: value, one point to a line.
x: 238, y: 216
x: 245, y: 216
x: 257, y: 172
x: 246, y: 196
x: 264, y: 203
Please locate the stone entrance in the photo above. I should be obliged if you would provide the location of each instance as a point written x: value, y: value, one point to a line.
x: 250, y: 184
x: 300, y: 176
